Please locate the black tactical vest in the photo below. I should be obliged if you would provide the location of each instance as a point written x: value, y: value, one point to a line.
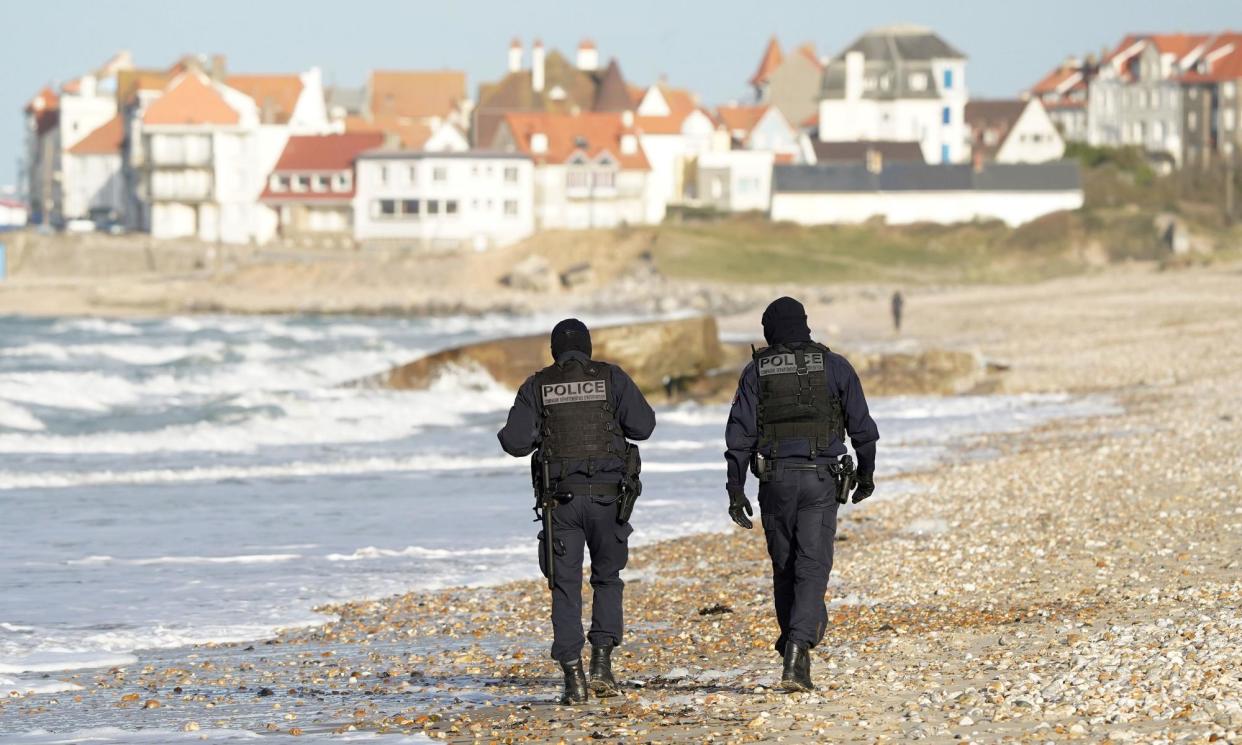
x: 796, y: 397
x: 579, y: 422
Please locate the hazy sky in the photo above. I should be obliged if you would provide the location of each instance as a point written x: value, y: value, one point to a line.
x: 712, y: 47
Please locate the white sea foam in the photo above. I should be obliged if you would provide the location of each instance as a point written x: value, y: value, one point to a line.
x: 13, y: 416
x: 11, y: 686
x: 96, y: 326
x: 299, y: 469
x: 371, y: 552
x: 243, y: 559
x: 47, y: 662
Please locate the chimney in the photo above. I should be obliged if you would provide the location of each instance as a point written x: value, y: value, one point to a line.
x: 536, y: 67
x: 219, y: 67
x: 539, y: 143
x: 588, y: 56
x: 515, y: 55
x: 854, y: 75
x: 976, y: 161
x: 875, y: 161
x: 629, y: 144
x: 627, y: 118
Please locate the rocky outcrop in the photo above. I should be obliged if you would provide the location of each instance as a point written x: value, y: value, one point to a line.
x: 654, y: 354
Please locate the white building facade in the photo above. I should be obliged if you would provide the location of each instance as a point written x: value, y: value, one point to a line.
x: 900, y: 83
x: 444, y: 200
x: 736, y: 180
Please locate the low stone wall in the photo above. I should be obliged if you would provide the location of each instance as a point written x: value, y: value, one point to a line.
x: 33, y: 254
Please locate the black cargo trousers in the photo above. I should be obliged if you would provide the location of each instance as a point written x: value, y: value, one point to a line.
x: 798, y: 507
x: 587, y: 522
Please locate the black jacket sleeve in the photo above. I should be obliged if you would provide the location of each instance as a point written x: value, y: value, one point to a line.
x: 635, y: 414
x: 520, y: 435
x: 742, y: 430
x: 858, y: 422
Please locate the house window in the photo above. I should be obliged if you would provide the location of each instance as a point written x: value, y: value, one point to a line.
x: 341, y: 182
x: 450, y: 206
x: 278, y: 183
x: 577, y: 179
x: 1192, y: 120
x: 944, y: 153
x: 383, y: 174
x: 433, y: 206
x: 439, y: 173
x: 1226, y: 118
x: 511, y: 174
x: 385, y: 208
x: 604, y: 179
x: 511, y: 208
x: 412, y: 173
x: 918, y: 82
x: 948, y: 79
x: 1228, y: 89
x: 946, y: 116
x: 409, y: 208
x: 301, y: 183
x: 319, y: 182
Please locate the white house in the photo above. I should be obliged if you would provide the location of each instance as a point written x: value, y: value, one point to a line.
x: 736, y: 180
x: 92, y: 175
x: 444, y: 200
x: 910, y: 192
x: 1013, y: 131
x: 590, y: 168
x: 13, y: 214
x: 312, y: 186
x: 210, y: 147
x: 898, y: 83
x: 673, y: 131
x: 764, y: 128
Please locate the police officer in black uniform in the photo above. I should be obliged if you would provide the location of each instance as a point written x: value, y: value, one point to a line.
x: 795, y: 402
x: 579, y: 412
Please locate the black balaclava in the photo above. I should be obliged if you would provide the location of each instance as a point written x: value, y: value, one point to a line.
x: 784, y: 322
x: 570, y: 335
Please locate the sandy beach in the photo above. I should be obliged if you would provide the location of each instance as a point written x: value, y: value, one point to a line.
x: 1078, y: 581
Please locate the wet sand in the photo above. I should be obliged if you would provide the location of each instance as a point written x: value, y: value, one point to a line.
x: 1077, y: 581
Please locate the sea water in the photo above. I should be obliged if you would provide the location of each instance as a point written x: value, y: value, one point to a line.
x: 178, y: 481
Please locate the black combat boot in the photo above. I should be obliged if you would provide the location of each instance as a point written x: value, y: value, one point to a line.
x: 575, y: 684
x: 797, y: 673
x: 602, y: 682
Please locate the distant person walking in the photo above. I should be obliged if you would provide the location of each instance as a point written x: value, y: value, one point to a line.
x: 898, y: 302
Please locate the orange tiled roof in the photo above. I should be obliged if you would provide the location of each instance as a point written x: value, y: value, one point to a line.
x: 1053, y: 81
x: 416, y: 94
x: 681, y: 104
x: 771, y: 60
x: 590, y: 133
x: 1227, y: 63
x: 106, y: 140
x: 334, y: 152
x: 45, y: 106
x: 741, y: 118
x: 1178, y: 45
x: 191, y: 99
x: 277, y: 95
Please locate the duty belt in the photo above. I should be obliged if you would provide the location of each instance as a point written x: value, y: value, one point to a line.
x: 774, y: 469
x: 585, y: 489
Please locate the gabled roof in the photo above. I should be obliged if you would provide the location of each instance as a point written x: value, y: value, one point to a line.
x: 681, y: 104
x: 1221, y: 60
x: 1178, y: 45
x: 902, y: 44
x: 590, y: 133
x: 612, y: 94
x: 105, y: 140
x: 741, y: 118
x: 191, y: 99
x: 998, y: 116
x: 1060, y: 81
x: 335, y: 152
x: 276, y: 96
x: 416, y: 94
x: 771, y: 59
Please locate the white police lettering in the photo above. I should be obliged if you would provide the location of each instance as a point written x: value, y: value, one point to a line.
x: 785, y: 363
x: 568, y: 393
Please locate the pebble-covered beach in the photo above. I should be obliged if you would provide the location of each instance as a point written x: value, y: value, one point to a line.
x: 1079, y: 581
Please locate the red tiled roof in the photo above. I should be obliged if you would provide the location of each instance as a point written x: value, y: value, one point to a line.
x: 1179, y: 45
x: 106, y: 140
x: 416, y: 94
x: 1225, y: 55
x: 326, y: 152
x: 681, y: 104
x: 1054, y: 81
x: 45, y: 106
x: 743, y: 118
x: 275, y: 95
x: 771, y: 60
x: 591, y: 133
x: 191, y: 99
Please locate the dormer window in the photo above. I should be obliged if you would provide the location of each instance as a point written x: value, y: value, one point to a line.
x: 557, y: 93
x: 278, y: 183
x: 918, y: 82
x: 580, y: 142
x: 301, y: 183
x: 342, y: 182
x: 319, y: 182
x: 578, y: 160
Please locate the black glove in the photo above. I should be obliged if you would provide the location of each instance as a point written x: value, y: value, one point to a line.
x: 866, y: 485
x: 739, y: 507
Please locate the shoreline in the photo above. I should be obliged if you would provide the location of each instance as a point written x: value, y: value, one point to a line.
x: 1081, y: 584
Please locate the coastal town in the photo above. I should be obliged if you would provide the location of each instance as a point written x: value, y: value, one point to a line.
x: 884, y: 128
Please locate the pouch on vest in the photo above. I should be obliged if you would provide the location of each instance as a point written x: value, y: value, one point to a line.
x: 796, y: 399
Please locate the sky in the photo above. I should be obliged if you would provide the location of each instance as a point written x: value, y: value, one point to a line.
x: 711, y: 47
